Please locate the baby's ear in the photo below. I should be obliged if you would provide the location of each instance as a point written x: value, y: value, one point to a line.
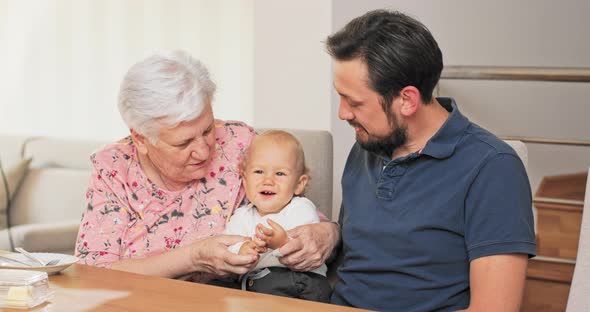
x: 242, y: 166
x: 303, y: 179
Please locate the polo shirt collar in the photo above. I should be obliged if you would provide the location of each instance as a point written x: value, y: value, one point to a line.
x: 444, y: 141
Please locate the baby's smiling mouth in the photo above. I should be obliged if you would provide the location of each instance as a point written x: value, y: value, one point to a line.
x: 267, y: 193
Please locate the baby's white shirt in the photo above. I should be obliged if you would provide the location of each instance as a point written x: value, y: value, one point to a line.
x: 299, y: 211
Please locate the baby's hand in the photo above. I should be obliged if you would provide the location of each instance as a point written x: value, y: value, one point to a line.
x: 275, y: 237
x: 250, y: 248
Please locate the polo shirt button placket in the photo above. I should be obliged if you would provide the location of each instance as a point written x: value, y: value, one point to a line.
x: 387, y: 181
x: 390, y: 176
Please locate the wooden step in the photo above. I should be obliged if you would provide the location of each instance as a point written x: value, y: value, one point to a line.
x: 548, y: 284
x: 558, y: 230
x: 559, y: 204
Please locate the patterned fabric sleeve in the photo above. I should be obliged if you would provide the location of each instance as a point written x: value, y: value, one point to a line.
x: 104, y: 220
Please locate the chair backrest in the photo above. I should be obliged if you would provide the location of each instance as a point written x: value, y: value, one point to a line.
x: 578, y: 299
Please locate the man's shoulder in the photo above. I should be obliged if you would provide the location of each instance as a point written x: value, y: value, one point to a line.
x: 484, y: 142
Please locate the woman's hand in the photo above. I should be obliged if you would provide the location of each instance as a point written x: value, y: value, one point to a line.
x: 310, y: 245
x: 275, y: 237
x: 212, y: 255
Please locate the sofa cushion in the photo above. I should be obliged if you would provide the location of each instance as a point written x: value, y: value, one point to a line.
x: 11, y: 150
x: 50, y: 195
x: 14, y: 174
x: 61, y: 153
x: 57, y: 237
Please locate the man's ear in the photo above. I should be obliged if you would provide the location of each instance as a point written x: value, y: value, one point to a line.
x: 410, y: 97
x: 303, y: 179
x: 139, y: 141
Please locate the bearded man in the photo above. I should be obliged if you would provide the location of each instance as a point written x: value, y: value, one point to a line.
x: 436, y: 211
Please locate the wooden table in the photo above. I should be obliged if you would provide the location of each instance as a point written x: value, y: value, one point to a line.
x: 87, y: 288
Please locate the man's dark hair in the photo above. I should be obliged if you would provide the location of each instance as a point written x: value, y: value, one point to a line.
x: 398, y: 50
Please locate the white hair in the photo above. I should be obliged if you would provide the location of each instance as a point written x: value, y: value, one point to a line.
x: 165, y: 89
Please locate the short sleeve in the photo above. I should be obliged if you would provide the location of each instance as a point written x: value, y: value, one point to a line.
x: 234, y: 138
x: 498, y: 210
x: 104, y: 220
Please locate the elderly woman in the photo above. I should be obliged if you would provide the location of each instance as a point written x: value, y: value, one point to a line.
x: 158, y: 199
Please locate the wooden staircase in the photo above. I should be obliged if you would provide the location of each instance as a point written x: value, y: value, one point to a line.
x: 559, y: 199
x: 559, y: 202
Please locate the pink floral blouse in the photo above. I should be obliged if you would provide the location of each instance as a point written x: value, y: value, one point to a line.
x: 128, y: 216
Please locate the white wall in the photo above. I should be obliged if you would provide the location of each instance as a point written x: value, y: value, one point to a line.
x: 292, y: 73
x: 503, y: 33
x: 62, y: 61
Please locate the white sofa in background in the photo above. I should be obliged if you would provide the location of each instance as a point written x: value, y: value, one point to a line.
x: 47, y: 206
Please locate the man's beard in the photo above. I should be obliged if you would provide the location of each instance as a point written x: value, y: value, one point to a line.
x: 387, y: 144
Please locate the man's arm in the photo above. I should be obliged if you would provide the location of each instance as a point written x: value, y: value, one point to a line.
x: 310, y: 245
x: 499, y: 233
x: 497, y: 282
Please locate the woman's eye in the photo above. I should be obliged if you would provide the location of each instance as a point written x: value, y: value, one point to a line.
x: 182, y: 145
x: 209, y: 130
x: 281, y: 174
x: 257, y: 171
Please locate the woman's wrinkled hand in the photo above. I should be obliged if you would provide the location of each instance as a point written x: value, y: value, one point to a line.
x: 310, y: 245
x: 212, y: 255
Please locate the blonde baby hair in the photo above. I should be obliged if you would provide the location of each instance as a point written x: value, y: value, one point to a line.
x: 280, y: 136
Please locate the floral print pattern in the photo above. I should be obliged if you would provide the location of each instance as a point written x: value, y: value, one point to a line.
x: 129, y: 216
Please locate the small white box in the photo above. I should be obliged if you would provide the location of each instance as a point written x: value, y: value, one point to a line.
x: 23, y: 289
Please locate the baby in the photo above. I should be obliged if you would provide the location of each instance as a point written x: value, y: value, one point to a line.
x: 275, y: 177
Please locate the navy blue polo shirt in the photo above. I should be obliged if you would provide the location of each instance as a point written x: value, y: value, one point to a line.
x: 411, y: 225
